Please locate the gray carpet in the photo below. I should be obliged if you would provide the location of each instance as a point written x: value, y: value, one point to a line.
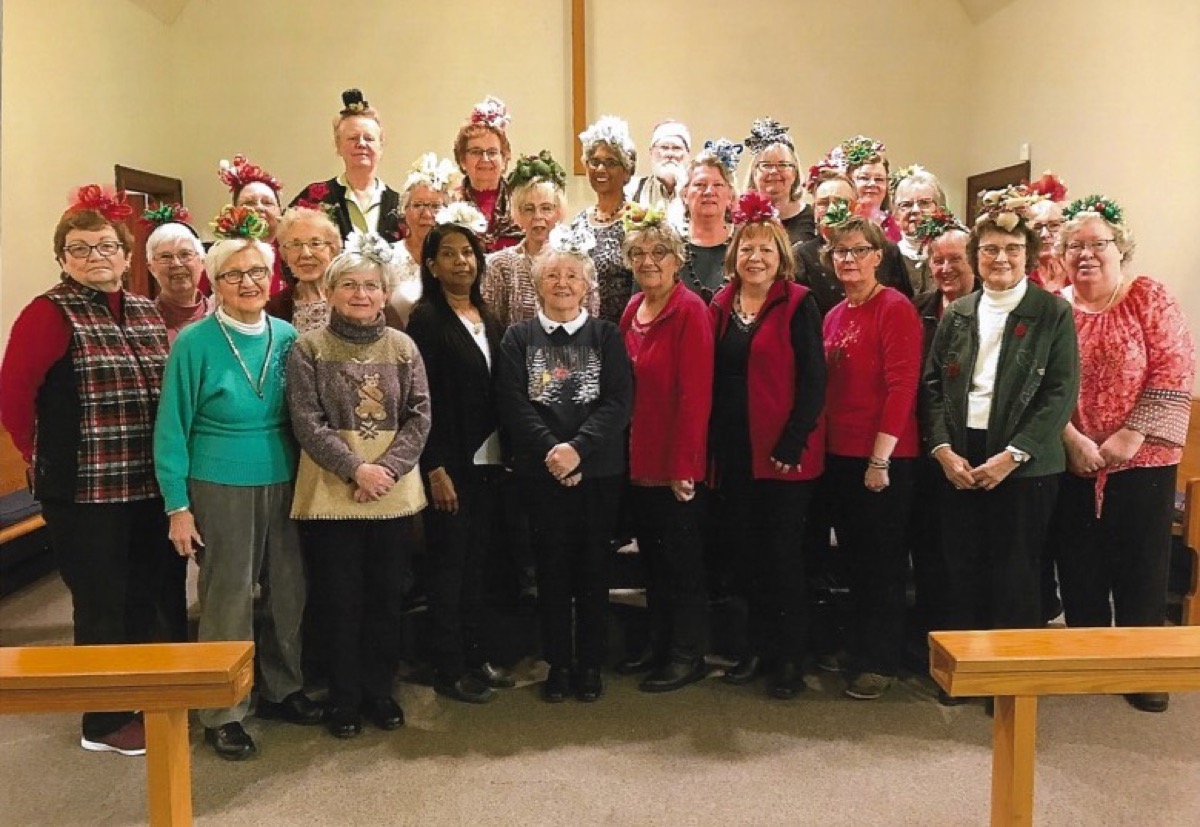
x: 710, y: 754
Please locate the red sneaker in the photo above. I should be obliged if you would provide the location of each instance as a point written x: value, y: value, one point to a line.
x: 128, y: 740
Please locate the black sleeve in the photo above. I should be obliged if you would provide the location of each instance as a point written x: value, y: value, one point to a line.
x: 517, y: 412
x: 891, y: 272
x: 610, y: 418
x: 808, y: 348
x: 424, y: 331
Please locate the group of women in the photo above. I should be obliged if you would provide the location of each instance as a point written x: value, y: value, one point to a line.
x: 709, y: 377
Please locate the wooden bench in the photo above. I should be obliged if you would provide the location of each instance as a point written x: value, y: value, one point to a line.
x: 1187, y: 481
x: 1017, y: 665
x: 12, y: 478
x: 163, y: 680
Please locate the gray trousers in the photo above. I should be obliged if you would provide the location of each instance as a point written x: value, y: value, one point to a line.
x: 249, y: 538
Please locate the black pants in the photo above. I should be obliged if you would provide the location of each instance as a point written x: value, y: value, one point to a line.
x: 928, y: 558
x: 1123, y: 553
x: 457, y: 549
x: 763, y: 529
x: 362, y: 568
x: 668, y: 534
x: 870, y: 528
x: 571, y: 529
x: 116, y: 560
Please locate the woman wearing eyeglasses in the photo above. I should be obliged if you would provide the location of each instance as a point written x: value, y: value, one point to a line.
x: 611, y: 159
x: 426, y: 191
x: 359, y: 406
x: 308, y: 241
x: 1046, y: 219
x: 873, y: 354
x: 1127, y: 432
x: 708, y: 197
x: 78, y: 391
x: 1000, y: 383
x: 775, y: 172
x: 175, y: 257
x: 225, y: 459
x: 482, y: 152
x: 915, y: 196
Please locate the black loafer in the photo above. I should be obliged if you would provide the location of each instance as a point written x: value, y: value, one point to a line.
x: 383, y: 712
x: 230, y: 741
x: 1149, y: 701
x: 557, y: 685
x: 590, y: 685
x: 743, y: 672
x: 294, y: 709
x: 468, y: 689
x: 645, y: 662
x: 674, y: 675
x: 787, y: 681
x: 493, y: 676
x: 344, y: 722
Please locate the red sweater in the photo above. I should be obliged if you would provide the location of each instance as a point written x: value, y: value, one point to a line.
x: 672, y: 388
x: 873, y: 352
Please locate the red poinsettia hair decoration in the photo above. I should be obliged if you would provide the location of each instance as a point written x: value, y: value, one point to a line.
x: 107, y: 201
x: 241, y: 172
x: 1050, y: 186
x: 753, y: 208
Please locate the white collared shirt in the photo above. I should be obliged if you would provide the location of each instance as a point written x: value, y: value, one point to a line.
x: 364, y: 218
x: 572, y: 327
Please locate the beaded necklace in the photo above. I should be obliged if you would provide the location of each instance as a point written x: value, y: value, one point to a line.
x: 262, y: 374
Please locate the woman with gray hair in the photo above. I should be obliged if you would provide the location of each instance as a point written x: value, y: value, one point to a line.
x: 359, y: 405
x: 426, y: 191
x: 916, y: 193
x: 308, y: 240
x: 564, y: 391
x: 225, y: 461
x: 775, y: 172
x: 175, y: 257
x: 708, y: 198
x: 611, y: 158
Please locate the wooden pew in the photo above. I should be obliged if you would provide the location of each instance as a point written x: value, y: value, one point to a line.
x: 1187, y: 481
x: 1018, y: 665
x: 164, y: 680
x: 12, y: 478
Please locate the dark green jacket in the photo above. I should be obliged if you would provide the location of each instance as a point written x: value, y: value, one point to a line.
x: 1037, y: 380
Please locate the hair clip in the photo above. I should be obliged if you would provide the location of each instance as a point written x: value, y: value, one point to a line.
x: 936, y: 224
x: 164, y: 214
x: 432, y: 172
x: 576, y: 241
x: 610, y: 130
x: 464, y: 215
x: 861, y: 150
x: 107, y: 201
x: 1102, y: 205
x: 1006, y: 207
x: 754, y: 208
x: 725, y: 151
x: 767, y: 131
x: 1050, y: 187
x: 241, y: 172
x: 491, y: 112
x: 239, y: 222
x: 637, y: 217
x: 371, y: 246
x: 541, y: 166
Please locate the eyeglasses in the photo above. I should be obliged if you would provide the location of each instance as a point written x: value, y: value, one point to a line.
x: 607, y: 163
x: 425, y: 206
x: 851, y: 252
x: 353, y: 286
x: 637, y: 255
x: 1076, y: 248
x: 994, y: 250
x: 475, y: 153
x: 79, y: 249
x: 870, y: 179
x: 569, y: 278
x: 183, y: 257
x: 543, y: 209
x: 236, y: 276
x: 1052, y: 226
x: 314, y: 244
x: 923, y: 204
x: 782, y: 166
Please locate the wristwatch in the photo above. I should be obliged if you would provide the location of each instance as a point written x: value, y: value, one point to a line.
x: 1019, y: 456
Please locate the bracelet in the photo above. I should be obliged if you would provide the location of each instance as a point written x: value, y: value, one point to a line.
x: 175, y: 511
x: 878, y: 462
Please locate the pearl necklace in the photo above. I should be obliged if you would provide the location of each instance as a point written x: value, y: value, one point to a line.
x: 262, y: 374
x: 1112, y: 298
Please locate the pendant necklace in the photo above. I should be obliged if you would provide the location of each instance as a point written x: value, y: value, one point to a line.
x: 262, y: 374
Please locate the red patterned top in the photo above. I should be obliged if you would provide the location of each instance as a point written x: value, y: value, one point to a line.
x: 1137, y: 363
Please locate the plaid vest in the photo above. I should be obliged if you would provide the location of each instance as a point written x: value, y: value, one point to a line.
x: 118, y: 371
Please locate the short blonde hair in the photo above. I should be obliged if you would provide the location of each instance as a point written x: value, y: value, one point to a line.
x: 663, y: 233
x: 522, y: 195
x: 294, y: 215
x: 798, y: 187
x: 787, y: 261
x: 1122, y: 235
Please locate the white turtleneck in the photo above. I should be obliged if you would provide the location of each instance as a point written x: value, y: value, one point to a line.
x: 994, y: 307
x: 248, y: 328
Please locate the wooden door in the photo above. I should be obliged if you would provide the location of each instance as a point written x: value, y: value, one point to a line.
x: 993, y: 180
x: 144, y: 190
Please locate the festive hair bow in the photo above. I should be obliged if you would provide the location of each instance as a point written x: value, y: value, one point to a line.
x: 754, y: 207
x: 108, y: 202
x: 838, y: 213
x: 432, y: 172
x: 575, y: 241
x: 610, y: 130
x: 897, y: 177
x: 767, y: 131
x: 464, y: 215
x: 1006, y: 207
x: 353, y: 102
x: 1050, y: 187
x: 830, y: 164
x: 936, y: 224
x: 638, y: 217
x: 1102, y: 205
x: 726, y: 151
x: 541, y: 166
x: 371, y: 246
x: 241, y: 172
x: 239, y: 222
x: 165, y: 214
x: 491, y: 112
x: 861, y: 150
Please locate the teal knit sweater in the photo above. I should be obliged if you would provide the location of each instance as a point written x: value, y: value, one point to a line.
x: 211, y: 425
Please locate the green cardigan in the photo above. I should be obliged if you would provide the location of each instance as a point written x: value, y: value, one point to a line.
x: 1037, y: 380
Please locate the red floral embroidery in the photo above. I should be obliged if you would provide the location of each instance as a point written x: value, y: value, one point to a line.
x: 1020, y: 330
x: 318, y: 191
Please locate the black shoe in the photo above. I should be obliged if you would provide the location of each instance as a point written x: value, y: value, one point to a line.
x: 590, y: 685
x: 787, y: 681
x: 494, y: 676
x: 294, y: 709
x: 674, y: 675
x: 744, y: 671
x: 644, y: 662
x: 383, y: 712
x: 468, y: 689
x: 344, y: 722
x: 557, y: 685
x: 230, y: 741
x: 1149, y: 701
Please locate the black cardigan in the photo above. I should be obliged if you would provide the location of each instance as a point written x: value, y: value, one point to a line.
x: 462, y: 390
x: 388, y: 227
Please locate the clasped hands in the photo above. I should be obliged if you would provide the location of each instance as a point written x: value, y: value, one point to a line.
x: 984, y: 477
x: 372, y: 482
x: 1084, y: 456
x: 562, y: 461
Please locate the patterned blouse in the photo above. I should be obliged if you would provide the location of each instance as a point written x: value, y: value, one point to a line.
x: 1137, y: 362
x: 508, y: 287
x: 407, y: 291
x: 308, y: 316
x: 613, y: 279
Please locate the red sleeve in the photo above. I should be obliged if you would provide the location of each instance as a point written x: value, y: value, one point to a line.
x: 900, y: 335
x: 39, y: 338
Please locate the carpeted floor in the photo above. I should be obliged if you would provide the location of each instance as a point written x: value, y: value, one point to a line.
x: 710, y: 754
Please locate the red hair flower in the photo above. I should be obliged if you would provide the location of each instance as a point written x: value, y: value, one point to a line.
x: 241, y: 172
x: 1050, y: 186
x: 754, y: 208
x: 108, y: 202
x: 317, y: 192
x: 1020, y: 330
